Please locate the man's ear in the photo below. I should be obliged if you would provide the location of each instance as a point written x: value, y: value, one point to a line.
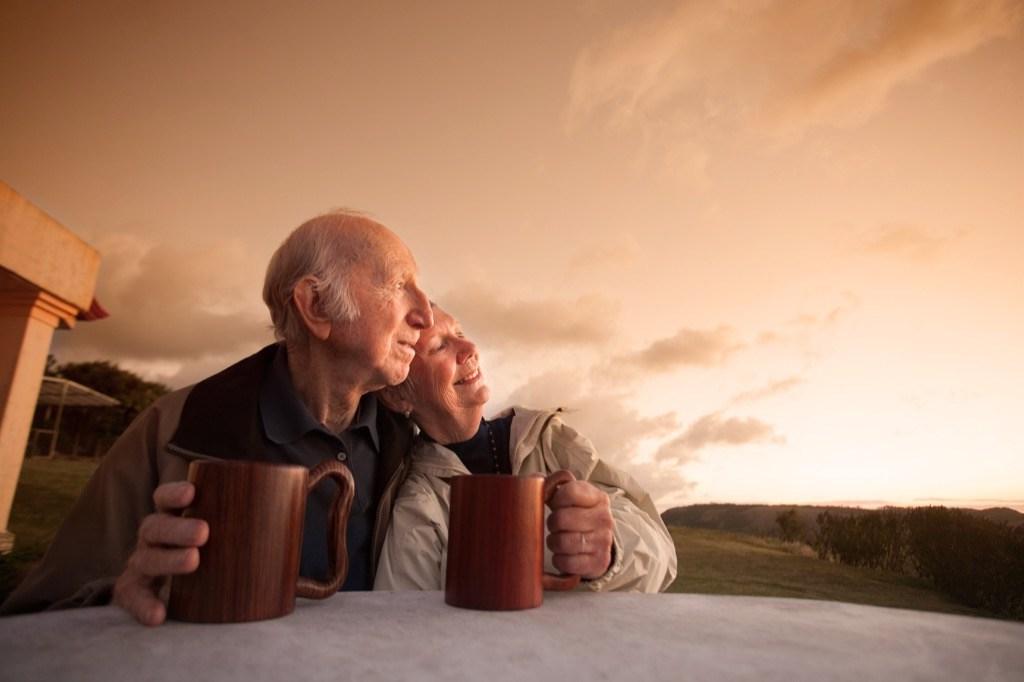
x: 307, y: 305
x: 395, y: 399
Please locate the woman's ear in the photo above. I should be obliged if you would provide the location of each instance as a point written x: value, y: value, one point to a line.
x: 307, y: 305
x: 395, y: 399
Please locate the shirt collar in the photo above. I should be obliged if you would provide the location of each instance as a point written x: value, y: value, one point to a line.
x: 366, y: 418
x: 286, y: 419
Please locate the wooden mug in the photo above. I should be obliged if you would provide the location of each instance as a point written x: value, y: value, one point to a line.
x: 496, y: 542
x: 249, y: 567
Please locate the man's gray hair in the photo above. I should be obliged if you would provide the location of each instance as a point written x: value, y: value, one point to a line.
x: 324, y: 248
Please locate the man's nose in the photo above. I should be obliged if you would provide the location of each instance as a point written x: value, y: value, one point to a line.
x: 420, y: 316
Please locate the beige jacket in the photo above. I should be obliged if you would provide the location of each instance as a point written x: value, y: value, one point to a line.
x: 415, y: 549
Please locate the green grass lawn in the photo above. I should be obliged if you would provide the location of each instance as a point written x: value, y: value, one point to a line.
x: 719, y: 562
x: 46, y: 490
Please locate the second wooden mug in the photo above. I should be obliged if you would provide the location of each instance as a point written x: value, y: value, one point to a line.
x: 496, y: 542
x: 249, y: 567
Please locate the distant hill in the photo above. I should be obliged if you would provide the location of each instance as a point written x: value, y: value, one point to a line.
x: 759, y: 519
x: 1010, y: 517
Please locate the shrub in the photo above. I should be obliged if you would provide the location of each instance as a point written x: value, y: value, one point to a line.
x: 976, y: 561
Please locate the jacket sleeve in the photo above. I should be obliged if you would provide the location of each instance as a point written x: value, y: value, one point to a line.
x: 90, y: 548
x: 413, y: 553
x: 645, y: 556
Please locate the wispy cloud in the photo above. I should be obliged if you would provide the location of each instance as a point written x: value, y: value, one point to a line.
x: 493, y: 318
x: 707, y: 71
x: 611, y: 254
x: 805, y: 324
x: 714, y: 429
x: 702, y: 348
x: 616, y: 429
x: 891, y: 43
x: 599, y: 400
x: 768, y: 390
x: 604, y: 416
x: 907, y: 242
x: 668, y: 484
x: 972, y: 503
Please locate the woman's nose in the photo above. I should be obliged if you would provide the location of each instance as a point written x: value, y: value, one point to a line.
x: 467, y: 349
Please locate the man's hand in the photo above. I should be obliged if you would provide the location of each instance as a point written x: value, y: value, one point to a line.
x: 582, y: 527
x: 167, y: 545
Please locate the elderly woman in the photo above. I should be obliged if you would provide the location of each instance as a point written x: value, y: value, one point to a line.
x: 603, y: 526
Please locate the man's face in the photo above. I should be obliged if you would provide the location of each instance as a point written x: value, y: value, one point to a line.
x: 393, y: 310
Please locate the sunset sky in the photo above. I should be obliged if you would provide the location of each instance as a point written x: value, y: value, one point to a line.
x: 765, y: 251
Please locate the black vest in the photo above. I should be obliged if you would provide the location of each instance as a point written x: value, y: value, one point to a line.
x: 221, y: 418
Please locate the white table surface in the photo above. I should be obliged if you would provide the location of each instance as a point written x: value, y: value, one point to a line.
x: 573, y: 636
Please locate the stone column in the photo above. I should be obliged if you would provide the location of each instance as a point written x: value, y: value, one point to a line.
x: 27, y: 321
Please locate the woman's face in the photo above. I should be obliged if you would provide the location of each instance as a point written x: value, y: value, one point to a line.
x: 445, y: 374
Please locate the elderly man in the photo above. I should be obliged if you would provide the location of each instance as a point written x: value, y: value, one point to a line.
x: 347, y: 311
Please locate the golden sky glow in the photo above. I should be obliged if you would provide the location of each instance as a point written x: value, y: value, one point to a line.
x: 767, y: 251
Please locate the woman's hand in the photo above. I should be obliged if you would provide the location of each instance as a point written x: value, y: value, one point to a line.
x: 581, y: 529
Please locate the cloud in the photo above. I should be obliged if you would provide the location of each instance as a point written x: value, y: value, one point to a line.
x: 616, y: 429
x: 605, y: 417
x: 707, y: 71
x: 666, y: 483
x: 973, y: 503
x: 493, y: 318
x: 612, y: 254
x: 172, y: 306
x: 908, y: 242
x: 766, y: 391
x: 713, y: 429
x: 892, y: 42
x: 806, y: 324
x: 703, y: 348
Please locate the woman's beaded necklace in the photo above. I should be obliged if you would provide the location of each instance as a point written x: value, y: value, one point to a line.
x: 494, y: 447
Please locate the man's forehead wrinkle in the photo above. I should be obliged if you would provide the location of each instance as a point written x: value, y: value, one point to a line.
x: 384, y: 252
x: 389, y: 267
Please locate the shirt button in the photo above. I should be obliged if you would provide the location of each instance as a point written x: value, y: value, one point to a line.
x: 342, y: 456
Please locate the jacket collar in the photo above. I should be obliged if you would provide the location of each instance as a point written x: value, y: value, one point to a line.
x: 528, y: 425
x: 221, y: 419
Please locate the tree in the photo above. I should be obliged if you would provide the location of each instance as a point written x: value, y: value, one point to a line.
x: 93, y: 430
x: 52, y: 368
x: 790, y: 527
x: 134, y: 393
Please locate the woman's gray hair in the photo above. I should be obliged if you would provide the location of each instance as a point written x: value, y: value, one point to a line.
x: 324, y: 248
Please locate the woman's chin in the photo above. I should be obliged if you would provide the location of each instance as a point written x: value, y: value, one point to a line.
x: 477, y: 397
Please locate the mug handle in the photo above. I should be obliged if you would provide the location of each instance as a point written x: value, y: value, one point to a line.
x: 552, y: 483
x: 337, y: 527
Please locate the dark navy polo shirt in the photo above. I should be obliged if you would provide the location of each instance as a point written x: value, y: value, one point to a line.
x: 304, y: 440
